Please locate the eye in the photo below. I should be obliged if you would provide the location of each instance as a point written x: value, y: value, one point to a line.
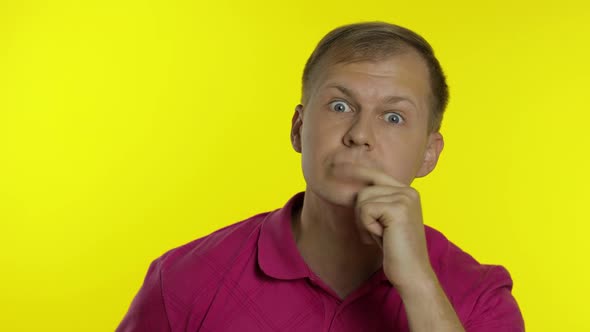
x: 394, y: 118
x: 339, y: 106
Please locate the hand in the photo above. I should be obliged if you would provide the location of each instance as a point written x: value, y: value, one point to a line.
x: 389, y: 213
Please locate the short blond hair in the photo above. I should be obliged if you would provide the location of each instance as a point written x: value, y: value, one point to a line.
x: 371, y: 41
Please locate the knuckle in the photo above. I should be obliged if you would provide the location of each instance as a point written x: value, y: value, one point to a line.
x: 403, y: 208
x: 365, y: 215
x: 412, y: 193
x: 363, y: 209
x: 405, y: 200
x: 364, y: 205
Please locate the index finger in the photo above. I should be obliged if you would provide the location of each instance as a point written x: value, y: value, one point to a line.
x: 371, y: 176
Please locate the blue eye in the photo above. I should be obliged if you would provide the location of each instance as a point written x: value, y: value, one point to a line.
x: 339, y: 106
x: 394, y: 118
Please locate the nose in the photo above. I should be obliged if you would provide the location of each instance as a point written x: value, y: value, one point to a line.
x: 360, y: 133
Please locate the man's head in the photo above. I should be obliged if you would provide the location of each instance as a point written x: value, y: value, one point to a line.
x: 374, y: 41
x: 373, y: 96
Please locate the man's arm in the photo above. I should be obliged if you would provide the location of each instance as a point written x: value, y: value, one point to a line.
x: 428, y: 308
x: 494, y: 309
x: 389, y: 213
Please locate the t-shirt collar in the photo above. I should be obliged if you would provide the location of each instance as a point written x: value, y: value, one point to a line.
x: 278, y: 256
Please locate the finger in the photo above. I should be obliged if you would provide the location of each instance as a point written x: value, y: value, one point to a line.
x: 371, y: 192
x: 372, y: 217
x: 377, y: 239
x: 370, y: 176
x: 375, y: 216
x: 385, y: 198
x: 368, y: 231
x: 370, y: 214
x: 367, y: 203
x: 369, y: 227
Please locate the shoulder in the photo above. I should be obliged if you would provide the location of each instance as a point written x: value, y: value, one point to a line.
x: 480, y: 293
x: 219, y: 245
x: 186, y: 269
x: 456, y: 267
x: 460, y: 272
x: 187, y: 273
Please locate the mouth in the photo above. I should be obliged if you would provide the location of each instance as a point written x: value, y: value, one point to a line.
x: 351, y: 165
x: 347, y: 172
x: 353, y: 162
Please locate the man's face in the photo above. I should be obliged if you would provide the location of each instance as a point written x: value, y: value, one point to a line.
x: 373, y: 114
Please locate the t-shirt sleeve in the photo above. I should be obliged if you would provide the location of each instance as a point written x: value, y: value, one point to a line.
x: 147, y: 312
x: 495, y: 309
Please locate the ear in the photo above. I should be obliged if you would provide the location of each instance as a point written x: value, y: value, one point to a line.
x: 296, y: 124
x: 431, y: 154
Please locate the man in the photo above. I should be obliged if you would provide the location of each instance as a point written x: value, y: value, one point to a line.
x: 351, y: 253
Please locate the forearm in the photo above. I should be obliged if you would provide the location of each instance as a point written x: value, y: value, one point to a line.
x: 428, y: 308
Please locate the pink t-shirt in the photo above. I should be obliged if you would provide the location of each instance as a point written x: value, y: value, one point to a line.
x: 250, y: 277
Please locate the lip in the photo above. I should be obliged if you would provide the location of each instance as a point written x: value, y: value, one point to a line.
x: 352, y: 163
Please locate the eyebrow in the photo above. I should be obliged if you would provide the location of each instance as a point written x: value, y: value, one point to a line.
x: 386, y: 100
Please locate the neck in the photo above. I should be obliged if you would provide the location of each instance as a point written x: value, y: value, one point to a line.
x: 328, y: 238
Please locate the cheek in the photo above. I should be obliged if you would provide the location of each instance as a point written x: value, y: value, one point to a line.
x: 403, y: 157
x: 317, y: 132
x: 319, y: 140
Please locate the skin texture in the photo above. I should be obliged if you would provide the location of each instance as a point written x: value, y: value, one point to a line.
x: 363, y: 138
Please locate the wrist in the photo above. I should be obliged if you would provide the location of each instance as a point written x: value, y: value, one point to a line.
x: 420, y: 284
x: 427, y: 306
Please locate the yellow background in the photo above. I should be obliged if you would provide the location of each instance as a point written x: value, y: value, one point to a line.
x: 131, y: 127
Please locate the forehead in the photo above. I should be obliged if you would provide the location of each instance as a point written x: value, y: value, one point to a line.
x: 404, y: 73
x: 408, y: 64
